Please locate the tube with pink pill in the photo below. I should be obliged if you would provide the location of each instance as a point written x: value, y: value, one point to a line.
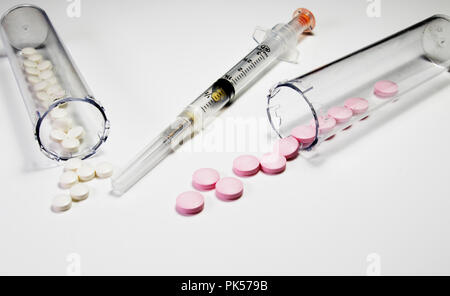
x: 316, y: 106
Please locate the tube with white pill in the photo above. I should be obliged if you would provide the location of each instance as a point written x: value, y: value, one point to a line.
x: 55, y: 94
x: 278, y: 43
x: 317, y: 106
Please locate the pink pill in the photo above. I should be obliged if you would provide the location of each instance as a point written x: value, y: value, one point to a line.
x: 304, y: 133
x: 272, y: 163
x: 205, y: 179
x: 190, y: 203
x: 287, y: 147
x: 357, y: 105
x: 229, y: 188
x: 246, y: 165
x: 326, y: 124
x: 341, y: 114
x: 385, y: 89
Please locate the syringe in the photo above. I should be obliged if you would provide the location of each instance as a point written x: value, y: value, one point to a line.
x: 277, y: 43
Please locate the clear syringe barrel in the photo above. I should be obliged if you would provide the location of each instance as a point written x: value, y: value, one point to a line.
x: 277, y: 43
x: 405, y: 61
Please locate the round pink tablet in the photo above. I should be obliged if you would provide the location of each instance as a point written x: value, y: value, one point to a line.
x: 272, y: 163
x: 341, y: 114
x: 304, y: 133
x: 287, y: 147
x: 246, y: 165
x: 326, y: 124
x: 229, y: 188
x: 205, y: 179
x: 190, y: 203
x: 357, y: 105
x: 385, y: 89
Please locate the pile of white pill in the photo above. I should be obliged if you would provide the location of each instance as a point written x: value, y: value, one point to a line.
x: 76, y: 173
x: 47, y: 89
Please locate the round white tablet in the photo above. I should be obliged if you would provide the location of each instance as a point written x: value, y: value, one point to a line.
x: 59, y: 94
x: 52, y: 81
x: 37, y: 58
x: 46, y: 104
x: 76, y: 132
x: 70, y: 144
x: 54, y: 89
x: 68, y: 179
x: 73, y: 164
x: 47, y: 74
x: 28, y: 51
x: 61, y: 203
x: 86, y: 173
x: 32, y: 71
x: 33, y: 79
x: 40, y: 86
x: 44, y: 65
x: 79, y: 192
x: 30, y: 64
x: 57, y: 135
x: 104, y: 170
x: 58, y: 113
x: 42, y: 96
x: 64, y: 123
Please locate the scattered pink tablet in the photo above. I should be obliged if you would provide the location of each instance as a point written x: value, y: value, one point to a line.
x: 246, y: 165
x: 190, y: 203
x: 272, y: 163
x: 385, y: 89
x: 357, y: 105
x: 341, y: 114
x: 304, y: 133
x: 326, y: 124
x: 205, y: 179
x: 229, y: 188
x: 287, y: 147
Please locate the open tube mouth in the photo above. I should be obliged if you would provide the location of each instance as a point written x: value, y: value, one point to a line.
x: 286, y: 111
x: 89, y: 114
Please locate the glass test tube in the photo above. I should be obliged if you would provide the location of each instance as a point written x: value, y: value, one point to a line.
x: 378, y: 74
x: 67, y: 120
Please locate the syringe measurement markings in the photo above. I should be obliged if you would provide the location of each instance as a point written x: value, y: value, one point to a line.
x: 250, y: 67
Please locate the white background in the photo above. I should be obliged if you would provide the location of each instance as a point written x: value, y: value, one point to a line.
x: 385, y: 191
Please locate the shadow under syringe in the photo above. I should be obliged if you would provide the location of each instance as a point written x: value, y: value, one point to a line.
x: 11, y: 101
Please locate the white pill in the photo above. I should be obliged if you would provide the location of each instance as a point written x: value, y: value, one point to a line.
x: 52, y: 81
x: 37, y: 58
x: 57, y: 135
x: 58, y: 113
x: 76, y: 132
x: 40, y: 86
x: 45, y: 104
x: 59, y: 94
x: 32, y: 71
x: 86, y: 173
x: 68, y: 179
x: 70, y: 144
x: 79, y: 192
x: 47, y: 74
x: 28, y: 51
x: 73, y: 164
x: 42, y: 96
x: 64, y: 124
x: 104, y: 170
x: 30, y: 64
x: 45, y: 65
x: 61, y: 203
x: 33, y: 79
x: 51, y: 90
